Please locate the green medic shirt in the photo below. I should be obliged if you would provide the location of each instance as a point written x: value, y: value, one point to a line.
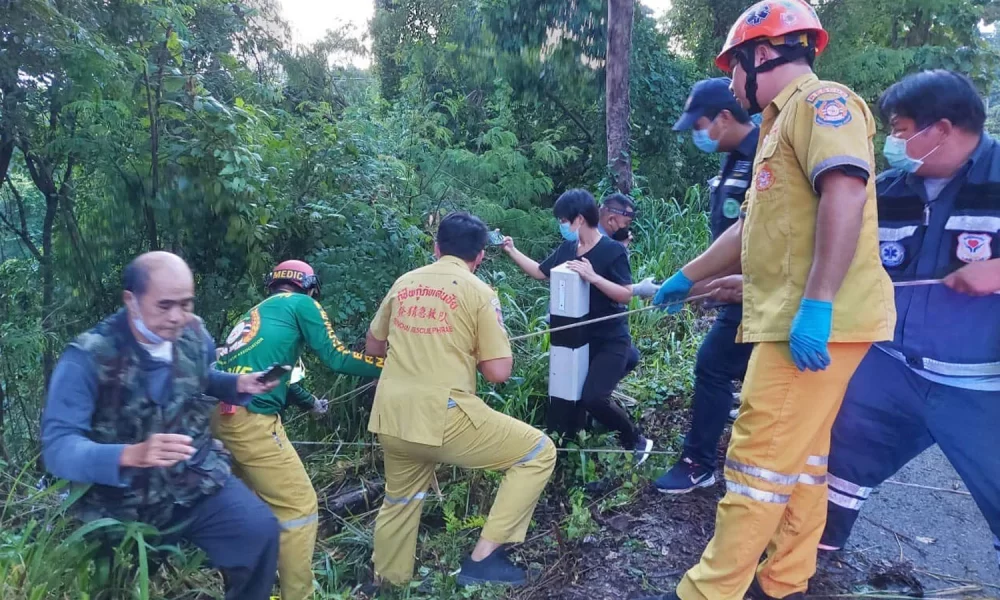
x: 274, y: 332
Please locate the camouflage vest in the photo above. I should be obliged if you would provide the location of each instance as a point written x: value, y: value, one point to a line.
x: 124, y: 414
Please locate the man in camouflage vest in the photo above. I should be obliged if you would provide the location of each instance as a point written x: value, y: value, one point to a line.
x: 128, y: 417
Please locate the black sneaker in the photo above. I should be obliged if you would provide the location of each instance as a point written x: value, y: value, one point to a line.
x: 642, y: 448
x: 495, y: 568
x: 757, y: 593
x: 684, y: 477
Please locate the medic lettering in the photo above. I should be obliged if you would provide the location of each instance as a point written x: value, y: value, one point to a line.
x: 288, y: 274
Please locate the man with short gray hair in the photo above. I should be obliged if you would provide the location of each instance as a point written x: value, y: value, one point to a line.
x: 128, y: 418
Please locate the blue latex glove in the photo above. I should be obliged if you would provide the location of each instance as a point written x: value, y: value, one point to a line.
x: 673, y: 290
x: 809, y: 335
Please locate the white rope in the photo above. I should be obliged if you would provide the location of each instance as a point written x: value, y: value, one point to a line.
x: 609, y: 317
x: 685, y: 301
x: 918, y: 282
x: 573, y: 450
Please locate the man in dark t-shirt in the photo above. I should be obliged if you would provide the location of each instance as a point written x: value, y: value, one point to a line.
x: 603, y: 263
x: 611, y: 261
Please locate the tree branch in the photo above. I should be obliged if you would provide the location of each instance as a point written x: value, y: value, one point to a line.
x: 583, y: 128
x: 6, y: 153
x: 22, y: 231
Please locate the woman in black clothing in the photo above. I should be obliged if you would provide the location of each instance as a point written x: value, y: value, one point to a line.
x: 603, y: 263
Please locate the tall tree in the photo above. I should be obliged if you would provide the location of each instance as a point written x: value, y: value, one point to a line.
x: 873, y: 43
x: 620, y: 16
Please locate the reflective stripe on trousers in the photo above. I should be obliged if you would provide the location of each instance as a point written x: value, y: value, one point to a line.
x: 776, y: 477
x: 296, y: 523
x: 781, y: 479
x: 847, y: 494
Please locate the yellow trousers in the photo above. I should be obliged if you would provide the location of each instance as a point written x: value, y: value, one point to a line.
x: 775, y: 477
x: 501, y: 443
x: 266, y: 461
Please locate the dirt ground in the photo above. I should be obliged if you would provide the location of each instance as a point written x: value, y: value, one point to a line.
x: 911, y: 542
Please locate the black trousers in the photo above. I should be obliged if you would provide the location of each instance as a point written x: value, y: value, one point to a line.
x: 720, y: 361
x: 610, y: 361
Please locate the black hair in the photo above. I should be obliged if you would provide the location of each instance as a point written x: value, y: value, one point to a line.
x: 574, y: 203
x: 930, y: 96
x: 135, y: 277
x: 619, y: 201
x: 463, y: 235
x: 739, y: 113
x: 283, y: 287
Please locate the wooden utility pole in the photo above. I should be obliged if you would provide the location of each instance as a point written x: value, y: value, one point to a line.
x: 620, y: 17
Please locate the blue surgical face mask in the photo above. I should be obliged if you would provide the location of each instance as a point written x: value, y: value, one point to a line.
x: 757, y: 119
x: 568, y: 234
x: 144, y: 331
x: 895, y: 153
x: 703, y: 141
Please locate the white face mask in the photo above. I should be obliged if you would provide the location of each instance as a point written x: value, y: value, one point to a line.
x: 162, y: 352
x: 140, y: 326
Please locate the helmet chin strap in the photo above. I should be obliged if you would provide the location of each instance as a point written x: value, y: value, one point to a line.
x: 746, y: 57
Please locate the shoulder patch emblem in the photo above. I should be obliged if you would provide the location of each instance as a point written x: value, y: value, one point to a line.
x: 892, y: 253
x: 243, y: 333
x: 832, y: 112
x: 496, y: 307
x: 826, y: 91
x: 830, y: 106
x: 974, y: 247
x: 765, y: 178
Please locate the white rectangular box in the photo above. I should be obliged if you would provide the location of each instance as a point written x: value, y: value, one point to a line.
x: 569, y: 294
x: 568, y: 371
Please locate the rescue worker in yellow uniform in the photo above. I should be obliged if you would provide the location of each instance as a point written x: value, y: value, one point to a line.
x: 815, y: 299
x: 438, y: 325
x: 274, y: 333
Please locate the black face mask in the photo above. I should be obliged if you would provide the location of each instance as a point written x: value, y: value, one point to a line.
x: 621, y: 235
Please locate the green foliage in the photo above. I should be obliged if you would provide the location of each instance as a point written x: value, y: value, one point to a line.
x: 195, y: 126
x: 580, y: 523
x: 873, y: 43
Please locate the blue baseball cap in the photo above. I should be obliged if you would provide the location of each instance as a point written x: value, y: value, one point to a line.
x: 708, y: 98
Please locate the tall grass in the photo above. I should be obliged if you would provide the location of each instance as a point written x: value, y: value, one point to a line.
x: 45, y: 554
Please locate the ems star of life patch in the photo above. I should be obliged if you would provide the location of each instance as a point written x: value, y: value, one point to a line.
x: 974, y: 247
x: 758, y: 16
x: 892, y: 253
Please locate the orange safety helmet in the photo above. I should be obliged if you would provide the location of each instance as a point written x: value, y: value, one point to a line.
x: 295, y: 272
x: 774, y: 20
x: 792, y: 24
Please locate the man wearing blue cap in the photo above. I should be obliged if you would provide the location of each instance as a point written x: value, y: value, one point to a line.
x: 718, y: 124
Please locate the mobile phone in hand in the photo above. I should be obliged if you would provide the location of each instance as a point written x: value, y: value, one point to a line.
x: 274, y: 373
x: 496, y: 238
